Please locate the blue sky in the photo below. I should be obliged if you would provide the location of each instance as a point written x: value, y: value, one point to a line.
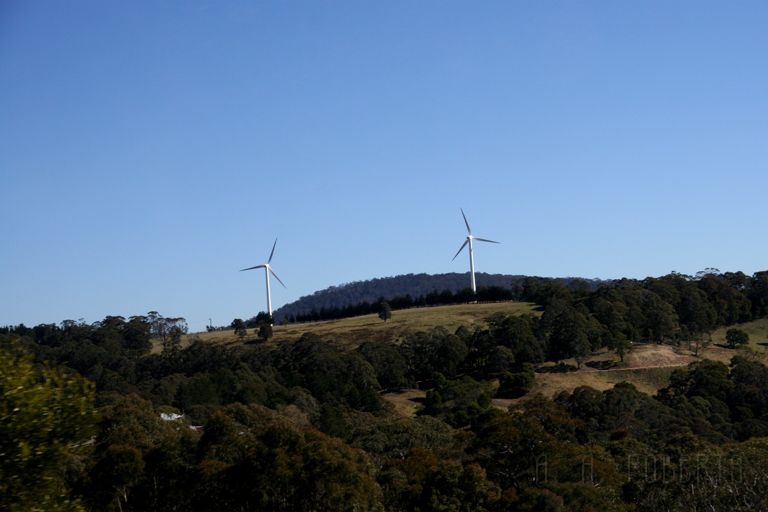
x: 150, y: 150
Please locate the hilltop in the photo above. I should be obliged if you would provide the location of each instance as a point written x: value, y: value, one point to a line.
x: 350, y: 332
x: 413, y: 285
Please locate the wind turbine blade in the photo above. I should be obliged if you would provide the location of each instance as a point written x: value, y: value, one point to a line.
x: 461, y: 248
x: 273, y: 251
x: 278, y: 279
x: 251, y: 268
x: 469, y: 231
x: 485, y: 240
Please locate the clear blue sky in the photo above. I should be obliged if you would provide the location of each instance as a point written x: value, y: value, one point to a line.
x: 150, y: 150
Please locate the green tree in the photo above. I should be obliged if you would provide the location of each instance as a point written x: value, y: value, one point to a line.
x: 428, y: 352
x: 265, y: 331
x: 141, y: 462
x: 697, y: 344
x: 457, y: 402
x: 422, y: 481
x: 696, y: 314
x: 390, y: 366
x: 254, y: 460
x: 328, y: 373
x: 168, y: 330
x: 263, y: 318
x: 136, y: 335
x: 514, y: 385
x: 264, y: 322
x: 518, y: 334
x: 621, y: 346
x: 659, y: 317
x: 172, y: 341
x: 564, y: 327
x: 46, y: 420
x: 385, y: 311
x: 736, y: 337
x: 239, y: 326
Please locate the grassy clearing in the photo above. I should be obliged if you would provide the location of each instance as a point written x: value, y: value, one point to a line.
x: 757, y: 330
x: 350, y: 332
x: 646, y: 366
x: 407, y: 402
x: 647, y: 380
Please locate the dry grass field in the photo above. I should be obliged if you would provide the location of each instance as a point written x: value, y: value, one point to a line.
x: 350, y: 332
x: 647, y: 367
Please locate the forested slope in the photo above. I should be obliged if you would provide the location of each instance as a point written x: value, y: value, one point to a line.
x: 301, y: 425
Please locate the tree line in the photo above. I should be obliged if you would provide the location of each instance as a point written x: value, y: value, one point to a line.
x: 676, y: 309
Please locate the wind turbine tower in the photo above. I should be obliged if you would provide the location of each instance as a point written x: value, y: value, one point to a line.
x: 268, y: 270
x: 468, y: 241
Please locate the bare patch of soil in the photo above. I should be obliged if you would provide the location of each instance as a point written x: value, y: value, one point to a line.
x: 656, y: 356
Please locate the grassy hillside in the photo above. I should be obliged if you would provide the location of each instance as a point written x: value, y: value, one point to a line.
x: 372, y: 290
x: 353, y: 331
x: 647, y: 366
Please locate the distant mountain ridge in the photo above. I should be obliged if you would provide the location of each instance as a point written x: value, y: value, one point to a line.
x: 415, y: 285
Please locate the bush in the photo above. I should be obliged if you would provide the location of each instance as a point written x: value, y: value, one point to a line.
x: 736, y: 338
x: 517, y: 384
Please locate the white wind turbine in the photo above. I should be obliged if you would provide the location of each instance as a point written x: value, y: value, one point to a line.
x: 268, y: 270
x: 468, y: 241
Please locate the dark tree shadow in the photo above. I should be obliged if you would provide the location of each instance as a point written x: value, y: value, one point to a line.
x: 601, y: 365
x: 558, y: 368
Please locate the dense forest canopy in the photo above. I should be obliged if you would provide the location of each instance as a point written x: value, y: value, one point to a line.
x: 136, y: 421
